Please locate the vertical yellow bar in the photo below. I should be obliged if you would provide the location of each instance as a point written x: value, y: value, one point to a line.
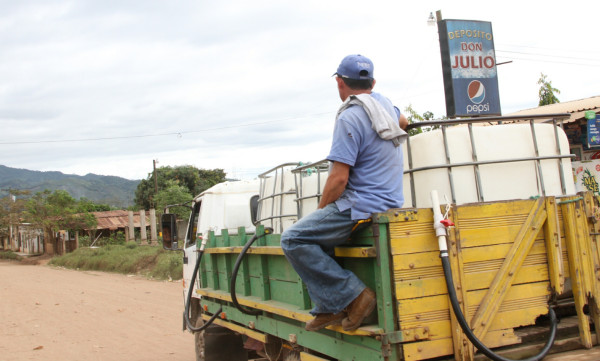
x: 463, y: 349
x: 576, y: 270
x: 592, y: 226
x: 554, y: 248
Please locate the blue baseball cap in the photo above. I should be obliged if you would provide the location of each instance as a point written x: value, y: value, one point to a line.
x: 355, y: 67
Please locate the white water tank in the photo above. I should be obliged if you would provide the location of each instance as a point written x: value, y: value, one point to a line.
x: 498, y: 181
x: 277, y: 206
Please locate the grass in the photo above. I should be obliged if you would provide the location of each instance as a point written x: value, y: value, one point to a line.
x: 150, y: 261
x: 9, y: 255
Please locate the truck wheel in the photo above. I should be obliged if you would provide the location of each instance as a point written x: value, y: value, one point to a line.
x: 199, y: 341
x: 218, y: 343
x: 292, y: 356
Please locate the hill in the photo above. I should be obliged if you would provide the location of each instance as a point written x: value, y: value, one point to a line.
x: 115, y: 191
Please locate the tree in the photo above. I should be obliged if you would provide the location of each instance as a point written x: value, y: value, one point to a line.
x: 414, y: 117
x: 87, y: 205
x: 546, y: 92
x: 193, y: 179
x: 209, y: 178
x: 11, y: 208
x: 174, y: 194
x: 55, y: 211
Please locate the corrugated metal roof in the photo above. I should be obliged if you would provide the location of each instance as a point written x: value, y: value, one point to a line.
x: 114, y: 220
x: 576, y: 108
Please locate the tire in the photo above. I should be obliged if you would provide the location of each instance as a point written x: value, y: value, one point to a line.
x: 199, y: 341
x: 218, y: 343
x: 292, y: 356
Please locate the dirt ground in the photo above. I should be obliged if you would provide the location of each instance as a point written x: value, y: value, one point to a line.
x: 48, y: 313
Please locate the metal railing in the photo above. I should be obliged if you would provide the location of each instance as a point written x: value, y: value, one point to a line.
x: 276, y: 175
x: 444, y: 124
x: 302, y: 172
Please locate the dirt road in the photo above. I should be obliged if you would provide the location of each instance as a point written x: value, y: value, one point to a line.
x: 52, y: 314
x: 57, y: 314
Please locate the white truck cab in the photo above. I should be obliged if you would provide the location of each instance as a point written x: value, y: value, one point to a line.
x: 225, y: 206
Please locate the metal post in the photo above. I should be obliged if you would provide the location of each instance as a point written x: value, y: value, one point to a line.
x: 476, y: 167
x: 298, y: 184
x: 438, y: 15
x: 537, y: 154
x: 281, y: 200
x: 273, y: 199
x: 447, y: 150
x: 560, y: 162
x: 411, y: 174
x: 155, y: 177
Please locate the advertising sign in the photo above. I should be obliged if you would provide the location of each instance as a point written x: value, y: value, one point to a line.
x: 593, y: 132
x: 590, y: 114
x: 587, y: 175
x: 469, y: 68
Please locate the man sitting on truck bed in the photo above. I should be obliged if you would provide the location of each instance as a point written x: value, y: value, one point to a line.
x: 365, y: 177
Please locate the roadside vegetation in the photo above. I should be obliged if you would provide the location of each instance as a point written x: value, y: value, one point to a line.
x: 51, y: 211
x: 130, y: 258
x: 9, y: 255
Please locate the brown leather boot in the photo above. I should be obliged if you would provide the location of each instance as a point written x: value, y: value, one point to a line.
x: 361, y: 307
x: 323, y: 320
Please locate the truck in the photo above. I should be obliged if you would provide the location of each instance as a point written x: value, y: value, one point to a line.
x: 492, y: 248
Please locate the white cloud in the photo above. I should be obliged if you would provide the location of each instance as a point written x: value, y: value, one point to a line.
x: 105, y: 87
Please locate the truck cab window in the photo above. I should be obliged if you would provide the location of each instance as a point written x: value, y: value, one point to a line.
x: 192, y: 227
x: 254, y: 208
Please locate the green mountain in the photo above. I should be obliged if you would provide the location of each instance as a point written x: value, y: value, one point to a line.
x: 115, y: 191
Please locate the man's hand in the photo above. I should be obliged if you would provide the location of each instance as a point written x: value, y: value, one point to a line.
x: 335, y: 184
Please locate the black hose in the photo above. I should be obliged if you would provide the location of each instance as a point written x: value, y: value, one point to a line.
x: 467, y: 329
x: 186, y: 312
x: 235, y: 270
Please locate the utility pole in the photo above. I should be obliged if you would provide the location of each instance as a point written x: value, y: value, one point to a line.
x: 154, y: 161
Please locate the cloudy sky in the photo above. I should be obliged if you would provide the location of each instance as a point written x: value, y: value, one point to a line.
x: 108, y: 86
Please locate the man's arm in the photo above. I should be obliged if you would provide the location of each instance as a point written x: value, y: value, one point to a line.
x: 335, y: 184
x: 403, y: 121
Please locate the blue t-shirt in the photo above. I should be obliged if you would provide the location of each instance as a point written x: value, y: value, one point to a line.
x: 376, y: 165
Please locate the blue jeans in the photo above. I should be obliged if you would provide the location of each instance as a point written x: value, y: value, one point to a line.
x: 309, y: 246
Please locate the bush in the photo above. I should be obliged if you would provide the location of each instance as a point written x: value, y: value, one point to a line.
x: 114, y: 239
x: 130, y: 258
x: 118, y: 238
x: 169, y: 265
x: 84, y: 241
x: 10, y: 255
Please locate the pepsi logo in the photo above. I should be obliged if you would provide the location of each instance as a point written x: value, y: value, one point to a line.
x: 476, y: 91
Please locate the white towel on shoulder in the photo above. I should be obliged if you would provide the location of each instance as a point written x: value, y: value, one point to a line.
x: 382, y: 122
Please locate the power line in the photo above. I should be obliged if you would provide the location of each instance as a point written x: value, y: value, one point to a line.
x: 561, y: 50
x: 178, y: 134
x: 551, y: 61
x: 86, y: 139
x: 548, y: 55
